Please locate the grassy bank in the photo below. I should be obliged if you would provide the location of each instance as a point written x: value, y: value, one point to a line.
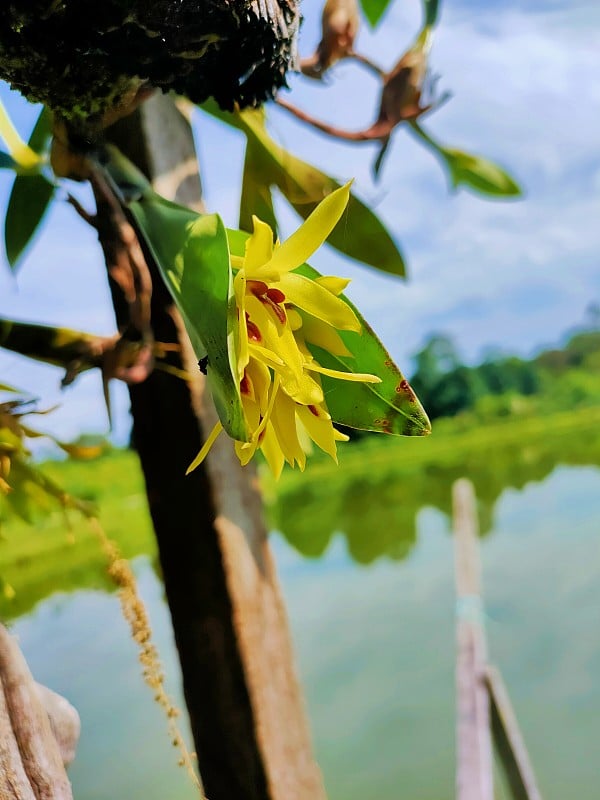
x: 373, y: 498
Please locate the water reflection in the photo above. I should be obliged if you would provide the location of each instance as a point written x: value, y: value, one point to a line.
x: 376, y: 509
x: 373, y: 499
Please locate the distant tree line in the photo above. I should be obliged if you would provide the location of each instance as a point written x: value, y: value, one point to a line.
x: 503, y: 384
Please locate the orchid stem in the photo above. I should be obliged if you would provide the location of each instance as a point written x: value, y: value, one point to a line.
x: 369, y: 135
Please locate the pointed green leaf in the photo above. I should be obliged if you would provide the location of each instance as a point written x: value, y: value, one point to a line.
x: 431, y: 8
x: 28, y: 203
x: 256, y: 193
x: 390, y: 406
x: 480, y: 174
x: 192, y: 255
x: 41, y: 133
x: 6, y: 162
x: 374, y: 10
x: 30, y: 197
x: 360, y: 234
x: 476, y: 172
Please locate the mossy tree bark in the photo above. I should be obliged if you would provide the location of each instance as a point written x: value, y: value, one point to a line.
x: 229, y: 620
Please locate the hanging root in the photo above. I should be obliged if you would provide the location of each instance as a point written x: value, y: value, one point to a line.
x: 135, y: 614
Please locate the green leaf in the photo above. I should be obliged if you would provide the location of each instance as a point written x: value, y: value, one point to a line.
x: 374, y: 10
x: 480, y: 174
x: 28, y: 203
x: 360, y: 234
x: 431, y: 9
x: 192, y: 254
x: 6, y: 162
x: 390, y: 406
x: 41, y: 133
x: 256, y: 193
x: 476, y: 172
x: 30, y: 197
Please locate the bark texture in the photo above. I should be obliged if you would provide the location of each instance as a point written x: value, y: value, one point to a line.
x: 229, y: 620
x: 84, y: 57
x: 31, y: 762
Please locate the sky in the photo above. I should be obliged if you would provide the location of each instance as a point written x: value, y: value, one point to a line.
x: 511, y: 275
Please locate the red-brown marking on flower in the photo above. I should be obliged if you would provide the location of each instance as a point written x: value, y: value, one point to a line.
x: 253, y: 331
x: 245, y: 385
x: 313, y: 410
x: 278, y: 310
x: 257, y: 288
x: 276, y: 295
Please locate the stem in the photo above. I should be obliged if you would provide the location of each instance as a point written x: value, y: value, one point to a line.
x: 374, y: 133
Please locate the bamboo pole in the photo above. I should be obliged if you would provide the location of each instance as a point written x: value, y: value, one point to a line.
x: 509, y: 740
x: 474, y: 766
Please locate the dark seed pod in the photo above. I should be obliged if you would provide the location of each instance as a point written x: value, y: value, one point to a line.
x: 83, y: 58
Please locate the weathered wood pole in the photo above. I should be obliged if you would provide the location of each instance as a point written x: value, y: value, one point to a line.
x: 229, y: 621
x: 31, y: 761
x: 474, y: 771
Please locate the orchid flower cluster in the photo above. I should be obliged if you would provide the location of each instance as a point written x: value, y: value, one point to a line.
x: 280, y: 313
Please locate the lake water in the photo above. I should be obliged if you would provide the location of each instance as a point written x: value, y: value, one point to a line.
x: 375, y: 646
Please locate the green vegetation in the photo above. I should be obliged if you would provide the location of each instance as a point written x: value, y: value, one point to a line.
x: 562, y: 378
x: 373, y: 500
x: 60, y: 552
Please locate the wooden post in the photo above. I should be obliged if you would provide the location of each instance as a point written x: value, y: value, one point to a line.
x: 31, y: 763
x: 474, y: 770
x: 509, y: 740
x: 229, y: 620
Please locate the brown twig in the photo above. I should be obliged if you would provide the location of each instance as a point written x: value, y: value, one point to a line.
x: 378, y: 131
x: 128, y: 269
x: 366, y: 62
x: 83, y: 213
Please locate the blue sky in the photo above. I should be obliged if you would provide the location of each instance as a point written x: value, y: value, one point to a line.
x: 512, y: 274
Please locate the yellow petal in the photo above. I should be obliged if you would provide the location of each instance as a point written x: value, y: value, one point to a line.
x: 205, y: 448
x: 361, y: 377
x: 320, y: 430
x: 259, y: 246
x: 323, y: 335
x: 294, y: 319
x: 332, y: 283
x: 261, y: 381
x: 265, y: 355
x: 318, y: 301
x: 311, y: 235
x: 243, y: 356
x: 272, y: 452
x: 284, y: 425
x: 339, y: 436
x: 252, y: 415
x: 17, y: 149
x: 244, y: 451
x: 267, y: 417
x: 283, y: 346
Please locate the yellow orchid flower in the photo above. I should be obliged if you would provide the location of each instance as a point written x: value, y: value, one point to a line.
x: 280, y: 312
